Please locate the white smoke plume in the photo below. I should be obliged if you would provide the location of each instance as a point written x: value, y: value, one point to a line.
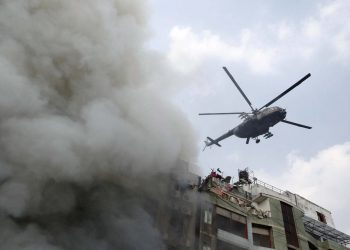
x: 83, y: 134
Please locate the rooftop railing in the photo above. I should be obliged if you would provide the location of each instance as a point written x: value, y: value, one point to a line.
x: 268, y: 186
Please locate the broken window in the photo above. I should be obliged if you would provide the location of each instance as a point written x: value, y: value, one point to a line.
x: 289, y: 224
x: 321, y: 217
x: 231, y: 222
x: 262, y: 236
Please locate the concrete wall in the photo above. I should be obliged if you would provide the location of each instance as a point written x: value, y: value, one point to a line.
x: 279, y: 237
x: 310, y: 209
x: 258, y: 189
x: 233, y: 239
x: 332, y: 245
x: 275, y: 221
x: 265, y: 205
x: 298, y: 215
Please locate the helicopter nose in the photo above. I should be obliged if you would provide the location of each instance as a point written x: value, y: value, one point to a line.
x: 283, y: 113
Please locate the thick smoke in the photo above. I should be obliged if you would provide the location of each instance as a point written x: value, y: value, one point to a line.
x: 84, y: 136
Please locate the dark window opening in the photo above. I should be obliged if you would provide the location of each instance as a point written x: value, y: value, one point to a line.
x: 312, y: 246
x: 231, y: 222
x: 262, y: 236
x: 207, y: 228
x: 206, y: 240
x: 289, y: 225
x: 321, y: 217
x: 221, y: 245
x: 231, y: 226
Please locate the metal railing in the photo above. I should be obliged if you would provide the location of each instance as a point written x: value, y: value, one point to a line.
x: 268, y: 186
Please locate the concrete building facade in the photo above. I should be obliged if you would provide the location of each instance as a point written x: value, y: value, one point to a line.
x: 215, y: 214
x: 251, y: 214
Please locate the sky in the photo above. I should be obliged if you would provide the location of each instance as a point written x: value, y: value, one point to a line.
x: 267, y: 46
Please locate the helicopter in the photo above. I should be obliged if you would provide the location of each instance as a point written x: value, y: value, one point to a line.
x: 258, y: 121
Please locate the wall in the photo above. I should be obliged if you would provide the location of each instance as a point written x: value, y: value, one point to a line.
x: 271, y: 202
x: 311, y: 208
x: 258, y: 189
x: 308, y: 207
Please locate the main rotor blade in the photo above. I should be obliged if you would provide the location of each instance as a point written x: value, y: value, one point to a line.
x: 287, y: 90
x: 296, y: 124
x: 227, y: 113
x: 239, y: 88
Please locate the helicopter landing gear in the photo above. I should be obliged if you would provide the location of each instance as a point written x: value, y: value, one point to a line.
x: 257, y: 140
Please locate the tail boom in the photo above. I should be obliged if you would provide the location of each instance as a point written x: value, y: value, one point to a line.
x: 209, y: 142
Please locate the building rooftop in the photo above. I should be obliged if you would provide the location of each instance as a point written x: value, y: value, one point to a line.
x: 247, y: 195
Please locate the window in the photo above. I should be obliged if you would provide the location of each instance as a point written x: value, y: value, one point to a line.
x: 289, y: 225
x: 207, y: 225
x: 207, y: 216
x: 312, y: 246
x: 321, y: 217
x: 206, y: 240
x: 222, y: 245
x: 231, y: 222
x: 262, y: 236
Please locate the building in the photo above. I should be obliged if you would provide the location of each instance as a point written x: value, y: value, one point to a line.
x: 177, y: 215
x: 251, y: 214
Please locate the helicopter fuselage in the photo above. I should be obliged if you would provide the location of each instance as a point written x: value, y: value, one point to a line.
x: 259, y: 123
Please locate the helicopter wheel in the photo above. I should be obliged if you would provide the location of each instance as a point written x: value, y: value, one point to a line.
x: 257, y: 140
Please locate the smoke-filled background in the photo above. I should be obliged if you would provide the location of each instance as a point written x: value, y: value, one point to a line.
x: 84, y: 132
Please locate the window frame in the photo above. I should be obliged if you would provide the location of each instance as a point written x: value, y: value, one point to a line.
x: 235, y: 220
x: 256, y: 227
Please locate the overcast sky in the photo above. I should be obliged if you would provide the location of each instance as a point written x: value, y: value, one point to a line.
x: 267, y: 46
